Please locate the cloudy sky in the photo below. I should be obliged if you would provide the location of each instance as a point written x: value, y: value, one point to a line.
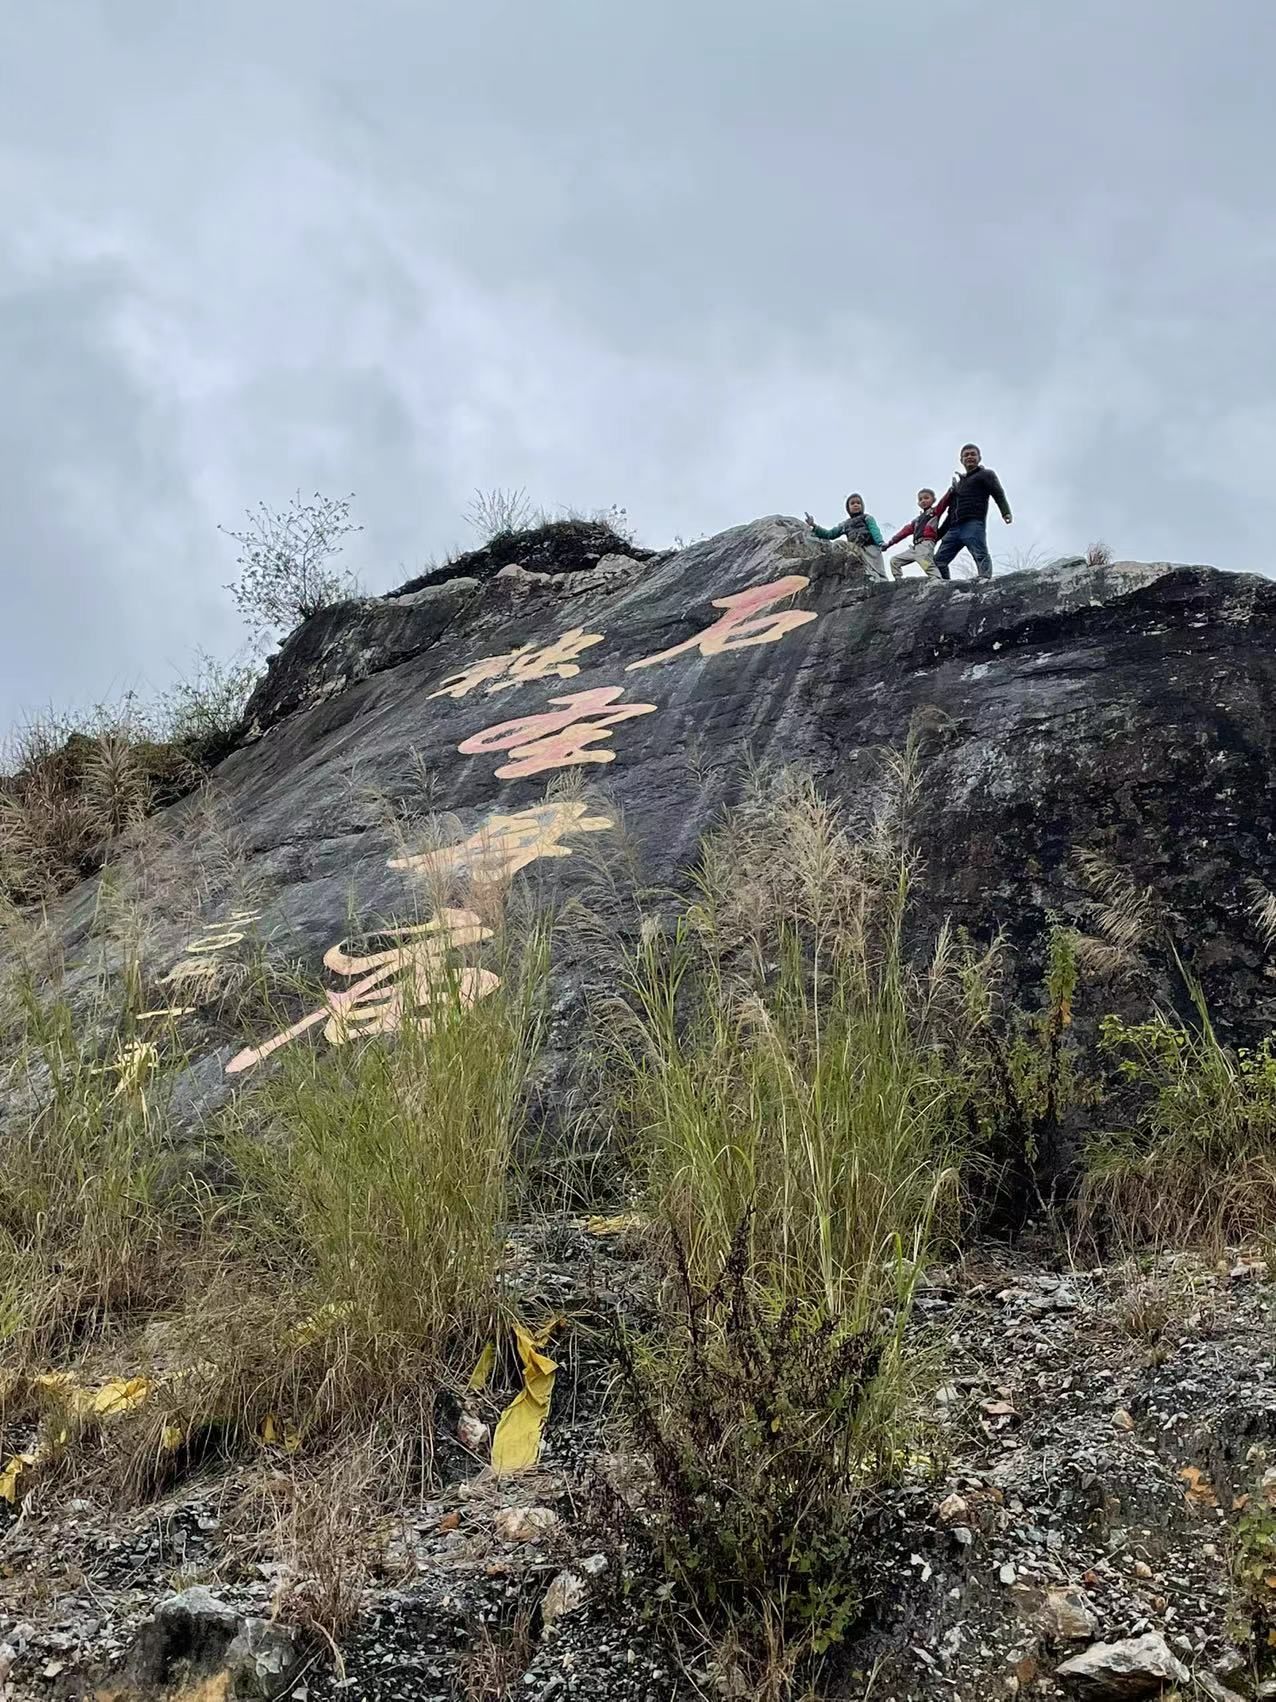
x: 706, y: 259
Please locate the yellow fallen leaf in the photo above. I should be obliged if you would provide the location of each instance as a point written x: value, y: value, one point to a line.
x: 483, y: 1370
x: 17, y: 1464
x: 620, y: 1225
x: 516, y: 1444
x: 123, y: 1394
x: 289, y: 1437
x: 171, y: 1438
x: 58, y: 1381
x: 322, y: 1322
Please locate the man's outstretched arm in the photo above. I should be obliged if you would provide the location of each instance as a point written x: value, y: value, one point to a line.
x: 999, y: 497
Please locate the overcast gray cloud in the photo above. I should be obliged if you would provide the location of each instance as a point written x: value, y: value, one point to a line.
x: 705, y: 260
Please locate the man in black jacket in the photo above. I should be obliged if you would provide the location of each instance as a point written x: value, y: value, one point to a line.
x: 966, y: 525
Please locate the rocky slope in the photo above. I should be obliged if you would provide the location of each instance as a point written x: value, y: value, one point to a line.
x: 1098, y: 1436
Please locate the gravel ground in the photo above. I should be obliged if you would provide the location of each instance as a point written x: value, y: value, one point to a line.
x: 1081, y: 1475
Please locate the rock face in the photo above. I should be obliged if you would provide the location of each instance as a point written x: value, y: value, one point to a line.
x: 1128, y: 710
x: 1123, y: 1672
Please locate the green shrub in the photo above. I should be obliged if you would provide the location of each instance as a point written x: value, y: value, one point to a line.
x: 1197, y: 1158
x: 754, y: 1423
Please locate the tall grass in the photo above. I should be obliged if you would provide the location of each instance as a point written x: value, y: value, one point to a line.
x: 313, y: 1262
x: 793, y: 1063
x: 90, y: 1206
x: 1185, y: 1150
x: 374, y: 1182
x: 786, y: 1060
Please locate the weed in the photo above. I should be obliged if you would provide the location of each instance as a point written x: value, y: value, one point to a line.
x: 492, y: 1667
x: 1197, y: 1160
x: 326, y: 1547
x: 494, y: 513
x: 755, y: 1422
x: 1025, y: 1080
x: 1254, y: 1579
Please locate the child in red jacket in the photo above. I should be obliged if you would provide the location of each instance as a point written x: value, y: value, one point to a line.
x: 924, y: 530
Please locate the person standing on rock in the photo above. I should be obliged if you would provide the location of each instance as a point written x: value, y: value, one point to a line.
x: 925, y: 532
x: 863, y: 537
x: 966, y: 525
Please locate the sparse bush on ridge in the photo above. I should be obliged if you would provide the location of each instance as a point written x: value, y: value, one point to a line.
x: 72, y: 791
x: 285, y: 561
x: 499, y: 513
x: 202, y: 710
x: 493, y: 513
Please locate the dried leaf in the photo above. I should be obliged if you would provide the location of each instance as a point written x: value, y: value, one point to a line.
x: 17, y: 1464
x: 1199, y: 1488
x: 615, y: 1225
x: 483, y: 1370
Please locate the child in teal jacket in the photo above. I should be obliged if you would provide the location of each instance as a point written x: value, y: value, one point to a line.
x: 863, y: 537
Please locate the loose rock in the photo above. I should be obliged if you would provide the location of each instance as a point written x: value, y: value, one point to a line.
x: 1136, y: 1667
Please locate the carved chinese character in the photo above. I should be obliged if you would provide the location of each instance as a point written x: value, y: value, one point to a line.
x: 559, y: 738
x: 499, y: 673
x: 504, y: 844
x: 405, y: 980
x: 554, y: 661
x: 744, y: 622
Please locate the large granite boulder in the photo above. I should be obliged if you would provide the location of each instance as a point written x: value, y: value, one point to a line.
x: 1127, y: 709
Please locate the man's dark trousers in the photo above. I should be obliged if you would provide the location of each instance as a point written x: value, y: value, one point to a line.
x: 970, y: 535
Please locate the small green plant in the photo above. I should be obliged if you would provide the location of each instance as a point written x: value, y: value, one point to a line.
x: 1026, y: 1078
x: 754, y: 1422
x: 1254, y: 1579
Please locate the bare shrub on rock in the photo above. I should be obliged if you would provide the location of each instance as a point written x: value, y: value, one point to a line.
x: 285, y: 560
